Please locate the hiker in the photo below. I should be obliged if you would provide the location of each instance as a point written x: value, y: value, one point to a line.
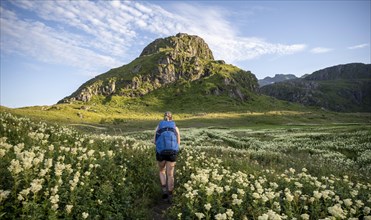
x: 167, y: 140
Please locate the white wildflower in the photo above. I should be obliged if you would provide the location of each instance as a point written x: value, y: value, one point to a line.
x: 227, y: 188
x: 348, y: 202
x: 256, y: 195
x: 23, y: 194
x: 36, y: 185
x: 305, y: 216
x: 4, y: 195
x: 200, y: 215
x: 69, y: 208
x: 289, y: 196
x: 207, y: 206
x: 263, y: 217
x: 241, y: 192
x: 299, y: 185
x: 90, y: 153
x: 110, y: 153
x: 273, y: 215
x: 54, y: 199
x: 229, y: 213
x: 220, y: 216
x: 353, y: 211
x: 85, y: 215
x: 336, y: 211
x: 55, y: 206
x: 366, y: 210
x: 317, y: 194
x: 2, y: 152
x: 15, y: 167
x: 273, y: 185
x: 236, y: 201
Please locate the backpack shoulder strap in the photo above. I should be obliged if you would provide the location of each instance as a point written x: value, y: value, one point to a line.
x: 166, y: 126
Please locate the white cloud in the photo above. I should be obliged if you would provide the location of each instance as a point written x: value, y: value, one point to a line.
x: 358, y: 46
x: 318, y: 50
x: 97, y: 34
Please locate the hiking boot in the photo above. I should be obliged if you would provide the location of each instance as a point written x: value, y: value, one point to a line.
x: 164, y: 192
x: 165, y: 196
x: 170, y: 199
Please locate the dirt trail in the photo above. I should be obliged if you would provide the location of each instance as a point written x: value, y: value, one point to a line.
x: 159, y: 210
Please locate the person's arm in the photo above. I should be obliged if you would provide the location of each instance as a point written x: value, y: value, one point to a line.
x: 178, y: 134
x: 154, y: 138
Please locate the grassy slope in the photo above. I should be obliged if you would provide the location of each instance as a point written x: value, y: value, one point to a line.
x: 118, y: 120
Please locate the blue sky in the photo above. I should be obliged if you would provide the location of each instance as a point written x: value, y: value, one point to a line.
x: 49, y: 48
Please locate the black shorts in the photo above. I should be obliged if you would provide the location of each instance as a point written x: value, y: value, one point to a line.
x: 167, y: 156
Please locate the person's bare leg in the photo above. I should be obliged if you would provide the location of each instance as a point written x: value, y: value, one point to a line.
x: 170, y: 166
x: 162, y: 174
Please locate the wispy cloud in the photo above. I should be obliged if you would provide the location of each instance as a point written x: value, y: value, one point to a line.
x: 317, y: 50
x: 35, y: 39
x: 224, y: 40
x: 359, y: 46
x: 99, y: 34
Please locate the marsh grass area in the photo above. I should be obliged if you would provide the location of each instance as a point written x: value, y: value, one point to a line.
x: 242, y: 165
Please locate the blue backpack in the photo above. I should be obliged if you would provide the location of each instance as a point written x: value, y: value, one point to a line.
x: 166, y: 137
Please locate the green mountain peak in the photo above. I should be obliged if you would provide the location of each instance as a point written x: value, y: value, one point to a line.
x: 172, y: 61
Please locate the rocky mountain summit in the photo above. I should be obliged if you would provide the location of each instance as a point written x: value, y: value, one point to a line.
x: 176, y: 59
x: 344, y: 88
x: 277, y: 78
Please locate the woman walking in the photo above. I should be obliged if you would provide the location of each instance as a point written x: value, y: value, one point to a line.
x: 167, y: 140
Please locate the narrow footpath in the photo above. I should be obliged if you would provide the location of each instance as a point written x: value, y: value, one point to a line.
x: 159, y: 210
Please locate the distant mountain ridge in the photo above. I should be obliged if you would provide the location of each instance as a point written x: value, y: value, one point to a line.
x: 345, y: 88
x: 346, y: 71
x: 277, y: 78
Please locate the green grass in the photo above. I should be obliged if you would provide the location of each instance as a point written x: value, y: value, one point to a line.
x: 113, y: 120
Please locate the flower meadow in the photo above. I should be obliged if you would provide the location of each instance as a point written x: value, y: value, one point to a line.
x: 308, y: 172
x: 50, y: 171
